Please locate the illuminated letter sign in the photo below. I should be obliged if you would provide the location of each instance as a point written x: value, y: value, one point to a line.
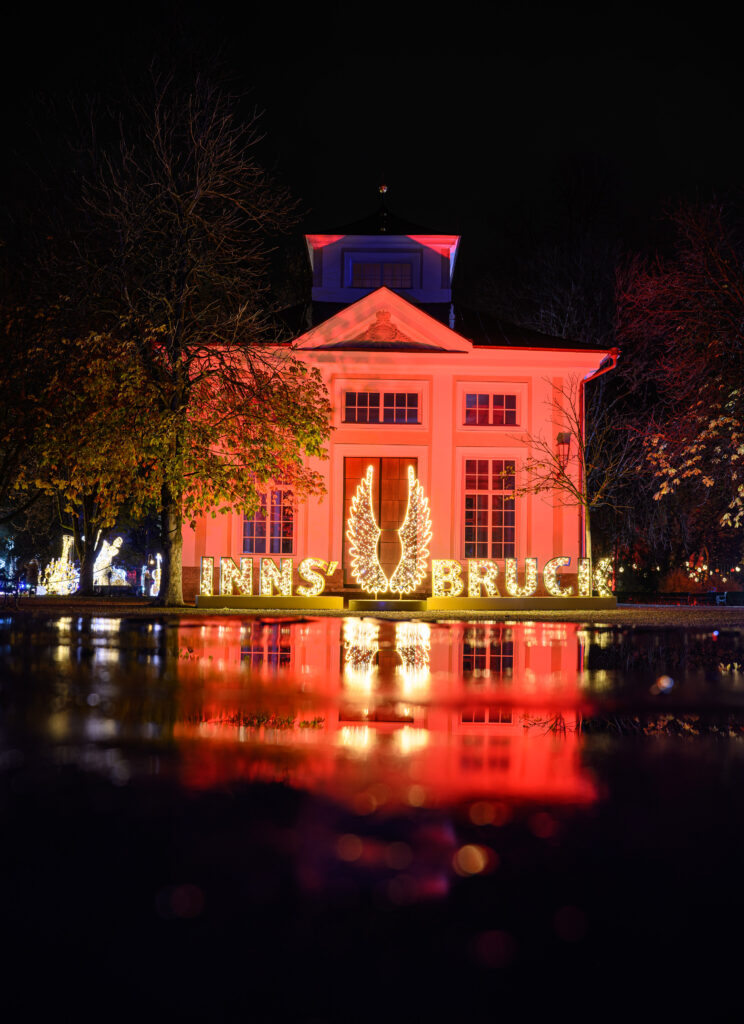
x: 231, y: 576
x: 482, y: 573
x: 272, y: 577
x: 446, y: 577
x: 550, y: 577
x: 530, y: 578
x: 309, y: 575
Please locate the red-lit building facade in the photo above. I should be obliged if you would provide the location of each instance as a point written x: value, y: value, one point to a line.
x: 414, y: 382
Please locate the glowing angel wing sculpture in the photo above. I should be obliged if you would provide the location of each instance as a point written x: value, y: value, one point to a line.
x: 364, y: 533
x: 415, y: 537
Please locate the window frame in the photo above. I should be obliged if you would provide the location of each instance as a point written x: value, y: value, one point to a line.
x: 490, y: 407
x: 382, y: 265
x: 510, y: 548
x: 282, y: 504
x: 519, y: 390
x: 391, y: 390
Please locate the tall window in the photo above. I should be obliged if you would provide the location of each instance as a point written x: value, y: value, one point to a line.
x: 271, y: 530
x: 376, y: 275
x: 397, y: 407
x: 488, y: 410
x: 490, y: 518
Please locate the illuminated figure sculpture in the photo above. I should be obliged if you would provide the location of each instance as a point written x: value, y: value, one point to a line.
x: 104, y: 573
x: 60, y: 576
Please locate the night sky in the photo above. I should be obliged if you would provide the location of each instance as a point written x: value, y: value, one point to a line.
x: 476, y: 121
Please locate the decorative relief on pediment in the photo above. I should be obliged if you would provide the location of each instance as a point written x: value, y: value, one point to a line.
x: 383, y: 329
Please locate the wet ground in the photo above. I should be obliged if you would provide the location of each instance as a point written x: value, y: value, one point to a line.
x: 330, y: 819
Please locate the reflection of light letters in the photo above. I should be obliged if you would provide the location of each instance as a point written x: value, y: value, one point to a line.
x: 482, y: 573
x: 446, y: 577
x: 231, y: 576
x: 272, y: 576
x: 512, y: 581
x: 550, y: 577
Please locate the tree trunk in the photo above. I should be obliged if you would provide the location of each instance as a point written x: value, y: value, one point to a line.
x: 587, y: 534
x: 85, y: 546
x: 171, y: 582
x: 87, y: 564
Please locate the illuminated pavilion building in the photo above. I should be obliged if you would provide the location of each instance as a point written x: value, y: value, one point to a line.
x: 414, y: 382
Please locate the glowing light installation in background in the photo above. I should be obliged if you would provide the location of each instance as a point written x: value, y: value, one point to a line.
x: 364, y: 535
x: 104, y: 572
x: 511, y: 581
x: 550, y: 577
x: 156, y: 576
x: 60, y: 576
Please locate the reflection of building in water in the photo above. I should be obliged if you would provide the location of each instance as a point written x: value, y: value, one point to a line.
x: 488, y: 652
x: 462, y: 711
x: 266, y: 645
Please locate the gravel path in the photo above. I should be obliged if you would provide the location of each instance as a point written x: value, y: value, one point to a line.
x: 624, y: 615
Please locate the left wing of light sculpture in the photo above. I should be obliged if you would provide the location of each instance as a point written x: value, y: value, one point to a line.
x: 415, y: 537
x: 363, y: 534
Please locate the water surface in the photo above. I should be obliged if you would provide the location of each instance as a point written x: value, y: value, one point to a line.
x: 484, y: 800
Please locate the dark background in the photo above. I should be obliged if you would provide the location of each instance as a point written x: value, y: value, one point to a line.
x: 479, y: 119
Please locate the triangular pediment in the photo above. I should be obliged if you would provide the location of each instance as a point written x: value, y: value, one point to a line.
x: 384, y: 321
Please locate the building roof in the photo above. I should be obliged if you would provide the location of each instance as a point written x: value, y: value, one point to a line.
x: 477, y: 326
x: 381, y: 221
